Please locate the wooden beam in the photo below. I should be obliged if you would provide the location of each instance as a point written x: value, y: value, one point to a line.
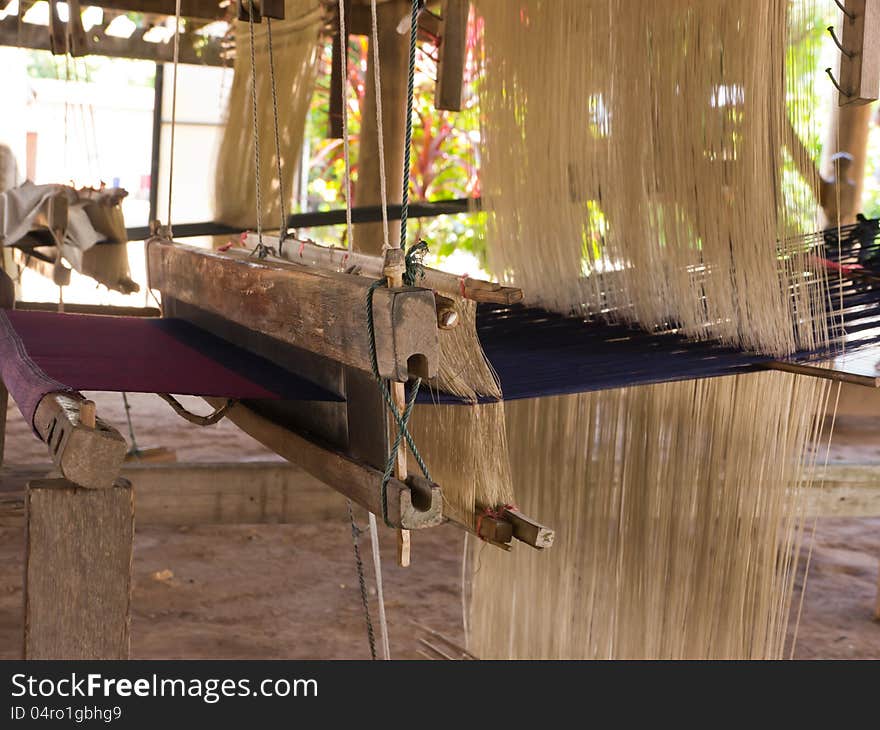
x: 857, y: 368
x: 89, y: 457
x: 321, y: 311
x: 844, y: 490
x: 237, y: 493
x: 202, y: 9
x: 412, y: 506
x: 102, y: 309
x: 452, y: 55
x: 78, y: 556
x: 526, y: 530
x: 194, y: 49
x: 313, y: 254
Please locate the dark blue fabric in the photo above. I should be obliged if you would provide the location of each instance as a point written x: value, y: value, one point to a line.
x: 538, y: 353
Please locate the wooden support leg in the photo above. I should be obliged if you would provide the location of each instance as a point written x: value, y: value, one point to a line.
x: 78, y: 570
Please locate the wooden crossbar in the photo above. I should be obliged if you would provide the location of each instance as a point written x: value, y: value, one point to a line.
x: 320, y: 311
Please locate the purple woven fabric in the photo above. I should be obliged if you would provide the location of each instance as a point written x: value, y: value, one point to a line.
x: 24, y: 379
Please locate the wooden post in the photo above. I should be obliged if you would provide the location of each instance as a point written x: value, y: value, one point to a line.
x: 393, y: 62
x: 78, y: 570
x: 848, y: 136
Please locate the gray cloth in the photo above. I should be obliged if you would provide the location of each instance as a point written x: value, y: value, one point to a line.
x: 21, y: 205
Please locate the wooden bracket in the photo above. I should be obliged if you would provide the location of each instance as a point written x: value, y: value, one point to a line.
x: 859, y: 81
x: 321, y: 311
x: 526, y: 530
x: 452, y: 52
x: 413, y: 505
x: 77, y: 42
x: 261, y: 8
x: 90, y: 457
x: 57, y: 30
x: 501, y: 528
x: 340, y: 45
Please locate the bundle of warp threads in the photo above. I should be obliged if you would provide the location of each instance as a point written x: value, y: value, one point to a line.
x: 296, y: 48
x: 657, y: 200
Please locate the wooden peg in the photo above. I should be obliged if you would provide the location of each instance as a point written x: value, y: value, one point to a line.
x: 447, y: 315
x: 87, y: 413
x: 393, y: 270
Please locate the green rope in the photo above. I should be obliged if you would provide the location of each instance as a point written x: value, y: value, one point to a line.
x: 413, y: 34
x: 400, y: 419
x: 415, y: 263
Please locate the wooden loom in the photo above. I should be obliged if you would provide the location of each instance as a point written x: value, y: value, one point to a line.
x: 324, y: 440
x: 312, y: 321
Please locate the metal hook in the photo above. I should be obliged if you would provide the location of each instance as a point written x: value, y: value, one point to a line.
x: 848, y: 54
x: 836, y: 85
x: 851, y: 16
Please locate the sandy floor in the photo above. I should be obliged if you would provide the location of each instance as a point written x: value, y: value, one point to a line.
x: 286, y: 591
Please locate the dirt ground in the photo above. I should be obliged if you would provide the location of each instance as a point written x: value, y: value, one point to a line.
x: 290, y: 591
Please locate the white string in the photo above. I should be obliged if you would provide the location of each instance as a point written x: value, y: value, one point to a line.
x: 374, y: 531
x: 173, y: 108
x: 380, y: 594
x: 383, y: 188
x: 343, y: 52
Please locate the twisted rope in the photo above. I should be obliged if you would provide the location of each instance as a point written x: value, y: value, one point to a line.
x: 282, y: 229
x: 401, y: 420
x: 260, y: 249
x: 355, y: 537
x: 413, y: 34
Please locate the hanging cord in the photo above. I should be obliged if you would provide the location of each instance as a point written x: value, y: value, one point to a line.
x: 380, y: 132
x: 355, y: 538
x: 349, y: 230
x: 134, y: 447
x: 282, y: 229
x: 198, y: 420
x: 404, y: 200
x: 380, y: 593
x: 261, y: 251
x: 173, y: 110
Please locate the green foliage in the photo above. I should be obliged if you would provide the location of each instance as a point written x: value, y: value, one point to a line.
x: 444, y: 161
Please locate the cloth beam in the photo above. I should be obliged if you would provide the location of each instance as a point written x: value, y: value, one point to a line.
x: 45, y: 352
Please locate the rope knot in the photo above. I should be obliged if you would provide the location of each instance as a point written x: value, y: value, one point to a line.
x: 415, y: 263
